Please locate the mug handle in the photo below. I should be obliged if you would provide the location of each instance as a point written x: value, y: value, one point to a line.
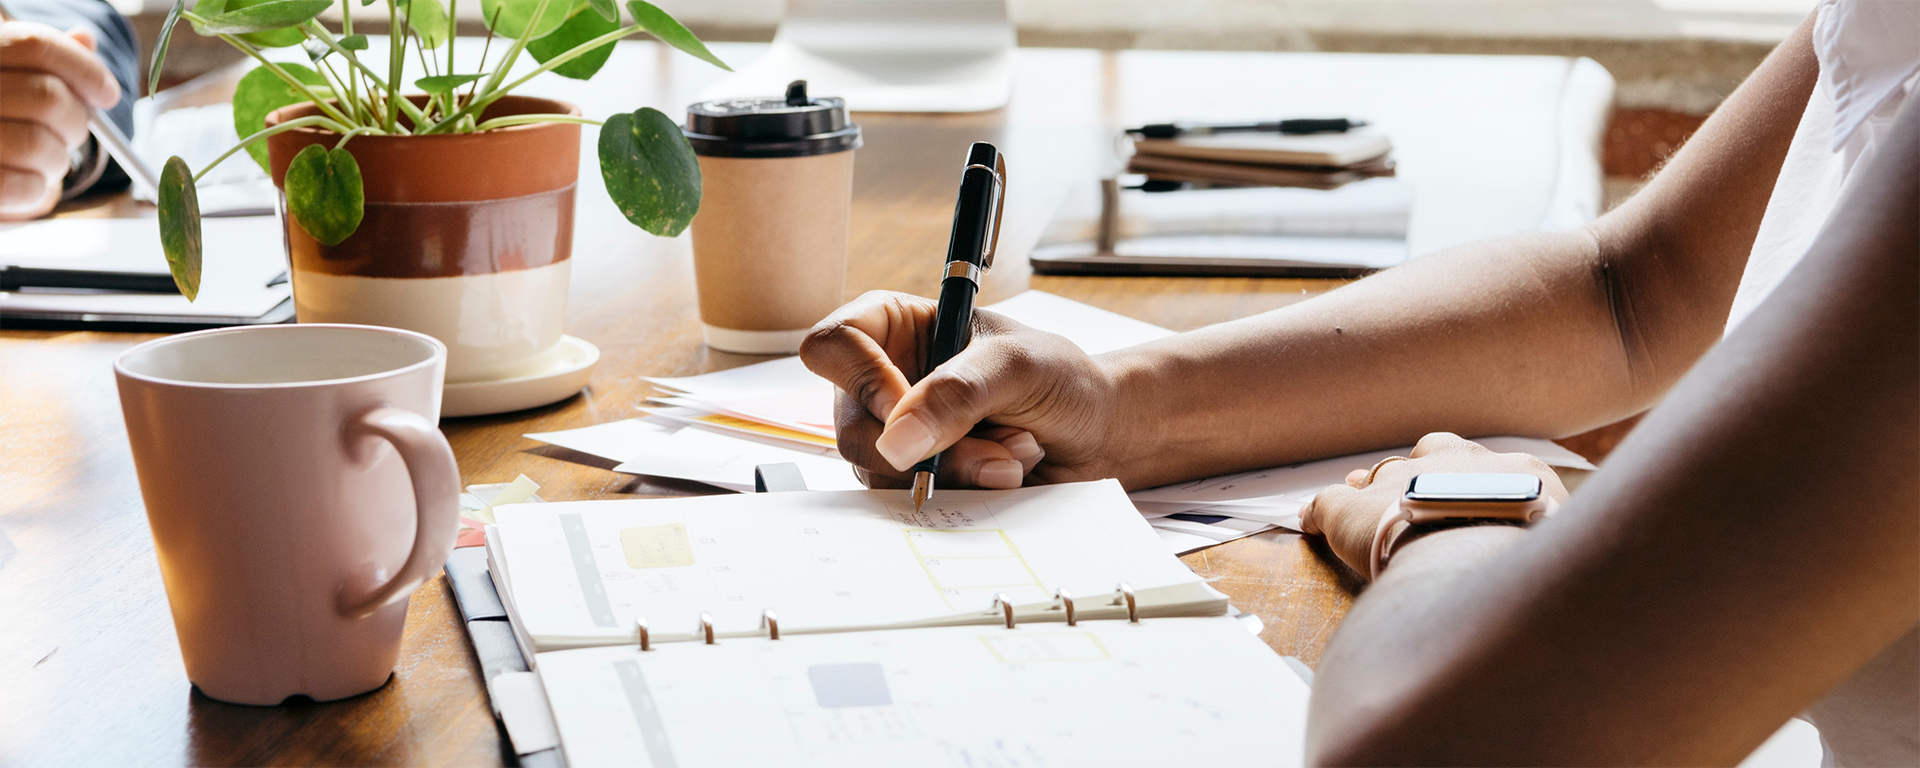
x: 436, y: 500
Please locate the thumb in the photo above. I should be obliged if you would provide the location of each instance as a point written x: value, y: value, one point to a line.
x: 84, y: 37
x: 983, y: 380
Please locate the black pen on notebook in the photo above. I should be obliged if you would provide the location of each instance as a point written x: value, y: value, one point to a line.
x: 1295, y: 126
x: 976, y: 229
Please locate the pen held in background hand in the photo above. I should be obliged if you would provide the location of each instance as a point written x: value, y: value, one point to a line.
x: 976, y: 230
x: 111, y: 140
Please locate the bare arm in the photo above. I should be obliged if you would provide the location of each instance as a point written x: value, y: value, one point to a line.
x: 1546, y: 335
x: 1752, y: 543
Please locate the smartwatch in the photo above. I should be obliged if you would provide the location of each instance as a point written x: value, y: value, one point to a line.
x: 1459, y: 499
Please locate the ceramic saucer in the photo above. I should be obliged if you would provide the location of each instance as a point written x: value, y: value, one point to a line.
x: 564, y: 373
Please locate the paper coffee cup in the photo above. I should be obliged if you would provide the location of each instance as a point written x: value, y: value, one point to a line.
x: 770, y: 242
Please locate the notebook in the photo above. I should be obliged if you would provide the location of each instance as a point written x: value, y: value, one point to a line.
x: 243, y: 283
x: 1325, y: 150
x: 1038, y: 626
x: 580, y: 574
x: 1210, y: 172
x: 1188, y: 691
x: 1105, y: 228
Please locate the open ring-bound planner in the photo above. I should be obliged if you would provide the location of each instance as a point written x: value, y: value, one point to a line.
x: 1039, y: 626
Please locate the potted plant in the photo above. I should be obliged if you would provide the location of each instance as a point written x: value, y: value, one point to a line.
x: 448, y: 210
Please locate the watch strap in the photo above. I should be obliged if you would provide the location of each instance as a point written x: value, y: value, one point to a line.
x: 1384, y: 537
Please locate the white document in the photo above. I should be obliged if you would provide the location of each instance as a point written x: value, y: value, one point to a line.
x: 582, y: 572
x: 242, y: 257
x: 613, y: 441
x: 728, y: 462
x: 1192, y: 691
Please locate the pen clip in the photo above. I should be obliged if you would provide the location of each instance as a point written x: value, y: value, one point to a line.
x: 991, y: 243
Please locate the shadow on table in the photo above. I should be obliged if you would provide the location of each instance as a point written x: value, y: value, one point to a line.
x: 359, y: 730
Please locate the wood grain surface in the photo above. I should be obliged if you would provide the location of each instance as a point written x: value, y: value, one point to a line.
x: 90, y: 670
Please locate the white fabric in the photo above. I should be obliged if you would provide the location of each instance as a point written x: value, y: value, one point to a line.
x: 1803, y: 196
x: 1869, y: 52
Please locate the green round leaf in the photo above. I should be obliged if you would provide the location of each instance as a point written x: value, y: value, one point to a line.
x: 606, y: 9
x: 276, y: 38
x: 429, y: 19
x: 180, y: 226
x: 324, y: 193
x: 265, y: 16
x: 650, y: 171
x: 260, y: 92
x: 661, y: 25
x: 511, y: 17
x: 353, y: 42
x: 584, y: 25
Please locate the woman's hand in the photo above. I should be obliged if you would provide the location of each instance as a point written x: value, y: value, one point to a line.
x: 1347, y: 515
x: 49, y: 78
x: 1016, y: 403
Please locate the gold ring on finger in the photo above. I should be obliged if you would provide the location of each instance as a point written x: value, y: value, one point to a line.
x: 1381, y: 463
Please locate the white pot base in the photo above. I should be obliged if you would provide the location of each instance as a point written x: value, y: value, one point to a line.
x: 562, y: 377
x: 755, y: 342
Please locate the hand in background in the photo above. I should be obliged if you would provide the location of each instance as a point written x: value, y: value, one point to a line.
x: 1348, y: 514
x: 1016, y: 403
x: 49, y: 78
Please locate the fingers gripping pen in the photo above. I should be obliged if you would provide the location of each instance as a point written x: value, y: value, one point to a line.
x: 976, y: 230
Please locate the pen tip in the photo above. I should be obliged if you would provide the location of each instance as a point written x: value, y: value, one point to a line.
x: 922, y: 489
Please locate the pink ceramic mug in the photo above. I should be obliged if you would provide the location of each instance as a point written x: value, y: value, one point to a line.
x: 299, y: 490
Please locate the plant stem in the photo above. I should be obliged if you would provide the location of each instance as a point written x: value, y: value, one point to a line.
x: 289, y: 125
x: 327, y: 37
x: 480, y: 103
x: 396, y: 57
x: 484, y: 48
x: 335, y: 84
x: 281, y: 73
x: 453, y: 31
x: 427, y: 64
x: 350, y: 134
x: 519, y: 44
x: 346, y: 28
x: 510, y: 120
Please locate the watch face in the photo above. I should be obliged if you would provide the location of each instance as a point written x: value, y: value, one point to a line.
x: 1474, y: 486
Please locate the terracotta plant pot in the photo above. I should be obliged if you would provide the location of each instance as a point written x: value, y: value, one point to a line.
x: 466, y: 237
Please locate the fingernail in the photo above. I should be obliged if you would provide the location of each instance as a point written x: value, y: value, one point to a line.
x: 1000, y: 474
x: 1023, y: 447
x: 905, y: 442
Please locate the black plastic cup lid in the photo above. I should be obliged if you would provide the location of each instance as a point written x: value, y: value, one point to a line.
x: 793, y: 126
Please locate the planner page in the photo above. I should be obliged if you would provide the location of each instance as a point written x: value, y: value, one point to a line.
x: 582, y: 572
x: 1194, y: 691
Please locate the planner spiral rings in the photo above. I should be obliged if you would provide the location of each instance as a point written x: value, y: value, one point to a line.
x: 770, y: 621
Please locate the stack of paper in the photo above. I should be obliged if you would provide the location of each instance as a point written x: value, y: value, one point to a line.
x: 715, y: 428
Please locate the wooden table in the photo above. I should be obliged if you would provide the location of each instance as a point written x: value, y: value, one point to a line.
x: 90, y: 669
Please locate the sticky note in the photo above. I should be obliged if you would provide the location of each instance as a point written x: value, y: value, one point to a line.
x: 657, y: 546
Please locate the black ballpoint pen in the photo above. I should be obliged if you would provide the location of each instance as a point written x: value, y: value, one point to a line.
x: 976, y: 230
x: 1300, y: 125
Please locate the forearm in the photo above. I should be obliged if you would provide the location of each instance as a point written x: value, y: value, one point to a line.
x: 1543, y: 335
x: 1748, y: 548
x: 1507, y: 336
